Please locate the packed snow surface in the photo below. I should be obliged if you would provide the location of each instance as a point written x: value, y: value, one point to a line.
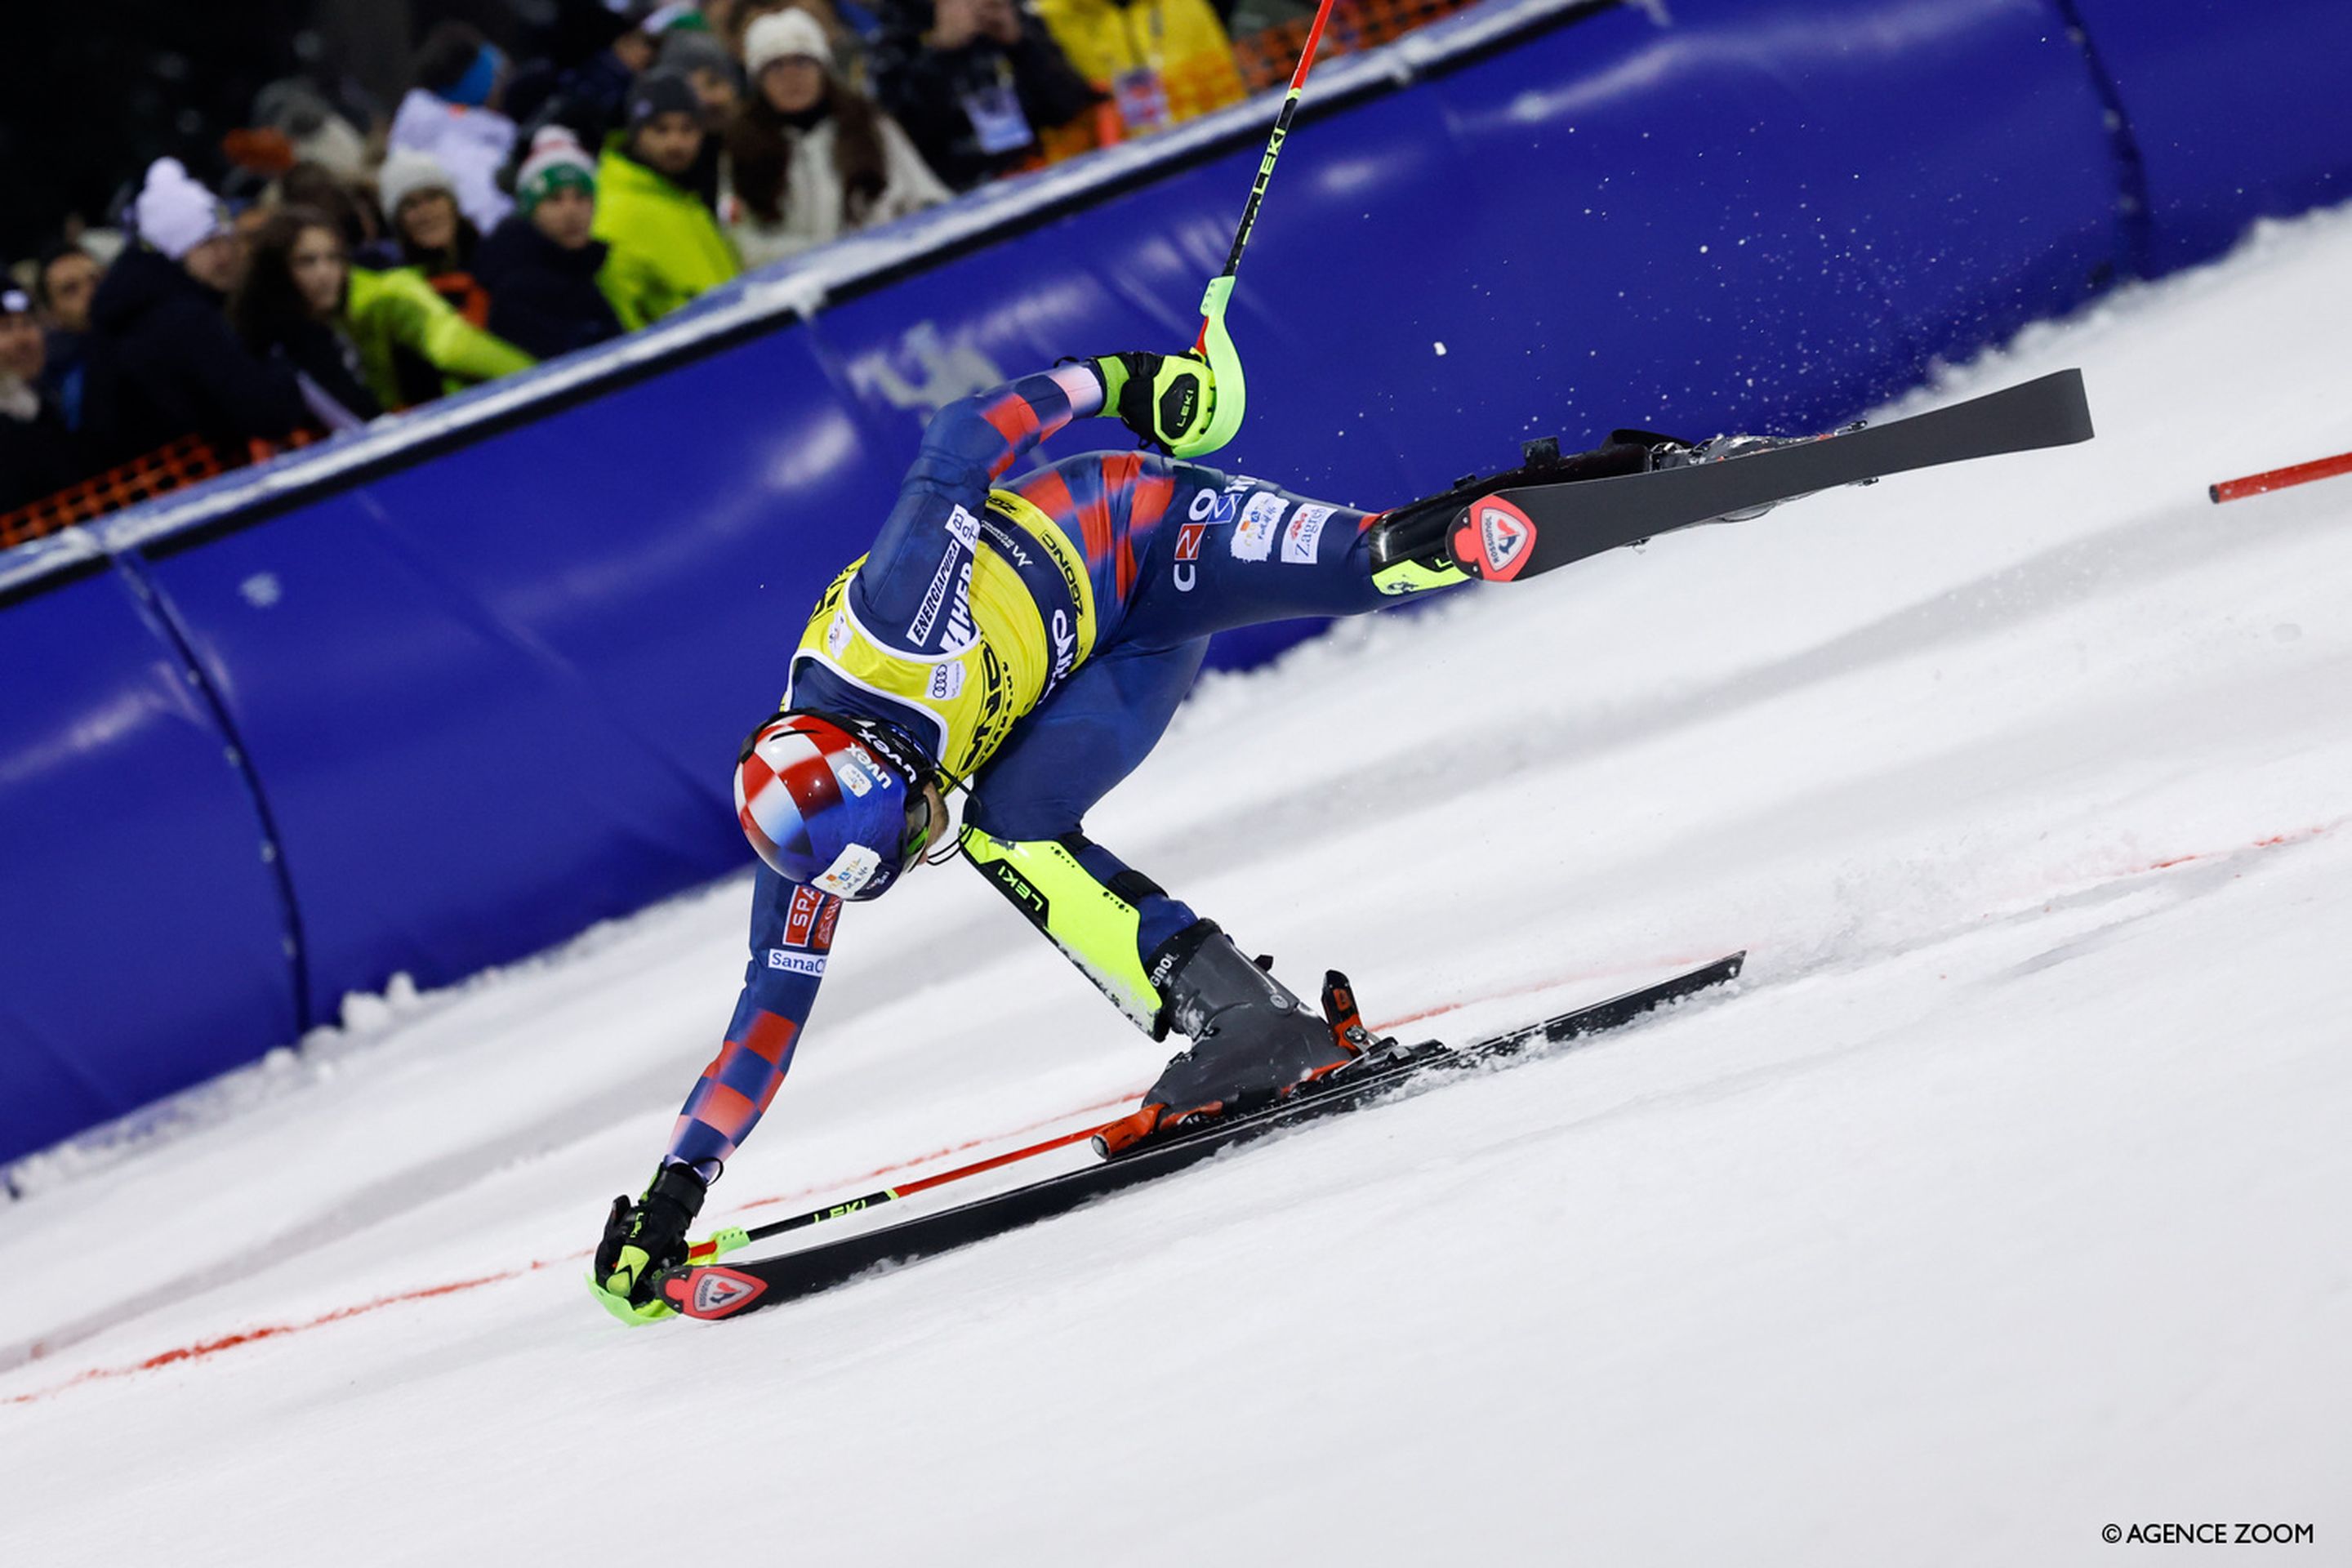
x: 2005, y: 1199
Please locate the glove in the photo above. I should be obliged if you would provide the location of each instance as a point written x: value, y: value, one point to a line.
x: 643, y: 1238
x: 1163, y: 398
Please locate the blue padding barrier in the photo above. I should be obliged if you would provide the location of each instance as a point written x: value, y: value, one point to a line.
x: 483, y: 675
x: 2238, y: 111
x: 146, y: 944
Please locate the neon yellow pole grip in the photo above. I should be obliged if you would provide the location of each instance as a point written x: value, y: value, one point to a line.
x: 1228, y: 391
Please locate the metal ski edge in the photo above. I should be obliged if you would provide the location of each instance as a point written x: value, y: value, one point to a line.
x: 712, y: 1291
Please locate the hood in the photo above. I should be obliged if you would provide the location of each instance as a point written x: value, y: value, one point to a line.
x: 140, y: 281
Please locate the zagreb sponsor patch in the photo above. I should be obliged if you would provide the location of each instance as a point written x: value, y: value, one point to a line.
x: 1254, y: 539
x: 1305, y: 532
x: 796, y: 962
x: 851, y: 870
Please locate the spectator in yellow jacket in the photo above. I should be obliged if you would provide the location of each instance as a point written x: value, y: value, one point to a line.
x: 666, y: 245
x: 1160, y: 60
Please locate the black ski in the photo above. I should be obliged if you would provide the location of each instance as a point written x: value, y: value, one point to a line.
x: 729, y: 1289
x: 1532, y: 529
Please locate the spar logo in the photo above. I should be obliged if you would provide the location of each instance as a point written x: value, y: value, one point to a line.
x: 808, y: 922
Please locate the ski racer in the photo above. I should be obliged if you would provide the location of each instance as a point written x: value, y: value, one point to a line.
x: 1027, y: 641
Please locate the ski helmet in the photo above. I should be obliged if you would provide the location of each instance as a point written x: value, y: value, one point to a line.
x: 835, y: 802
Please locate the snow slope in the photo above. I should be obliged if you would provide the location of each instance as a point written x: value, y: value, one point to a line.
x: 2004, y: 1200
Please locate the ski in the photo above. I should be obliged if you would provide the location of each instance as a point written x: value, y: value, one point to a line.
x: 712, y: 1291
x: 1533, y: 529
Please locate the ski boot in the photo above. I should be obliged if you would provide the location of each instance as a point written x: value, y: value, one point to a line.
x: 644, y: 1238
x: 1412, y: 547
x: 1252, y: 1040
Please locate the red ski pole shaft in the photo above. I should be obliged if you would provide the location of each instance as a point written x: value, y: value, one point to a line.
x: 730, y: 1239
x: 2280, y: 478
x: 1272, y: 151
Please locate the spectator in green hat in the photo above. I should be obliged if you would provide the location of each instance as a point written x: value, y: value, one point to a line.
x: 544, y: 265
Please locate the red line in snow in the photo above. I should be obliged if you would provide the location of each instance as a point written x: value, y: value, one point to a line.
x: 277, y: 1330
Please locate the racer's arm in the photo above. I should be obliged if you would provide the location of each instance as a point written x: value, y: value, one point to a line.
x: 791, y: 931
x: 924, y: 550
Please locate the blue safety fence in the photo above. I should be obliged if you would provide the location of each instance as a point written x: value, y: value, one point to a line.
x: 433, y: 697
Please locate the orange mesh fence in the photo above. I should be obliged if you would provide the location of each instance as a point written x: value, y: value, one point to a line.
x: 166, y: 468
x: 1266, y: 58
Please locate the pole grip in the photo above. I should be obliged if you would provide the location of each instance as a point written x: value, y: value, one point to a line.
x: 1227, y: 389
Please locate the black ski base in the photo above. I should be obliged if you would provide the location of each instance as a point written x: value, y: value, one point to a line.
x: 729, y: 1289
x: 1525, y: 532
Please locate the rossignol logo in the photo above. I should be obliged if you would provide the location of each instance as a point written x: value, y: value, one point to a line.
x: 1504, y: 535
x: 718, y: 1291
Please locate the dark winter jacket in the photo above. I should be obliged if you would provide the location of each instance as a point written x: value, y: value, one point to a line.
x: 174, y: 366
x: 544, y: 299
x: 332, y: 379
x: 926, y: 91
x: 38, y: 457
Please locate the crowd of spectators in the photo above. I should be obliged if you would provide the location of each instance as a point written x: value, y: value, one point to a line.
x: 354, y: 264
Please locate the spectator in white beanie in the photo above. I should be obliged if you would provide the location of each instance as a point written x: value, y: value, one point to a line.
x: 187, y: 223
x: 810, y: 158
x: 177, y: 367
x: 428, y: 231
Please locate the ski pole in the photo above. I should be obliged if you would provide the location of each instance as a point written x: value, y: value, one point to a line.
x: 2280, y: 478
x: 1214, y: 344
x: 734, y: 1237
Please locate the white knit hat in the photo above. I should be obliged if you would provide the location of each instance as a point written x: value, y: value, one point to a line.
x: 174, y: 213
x: 782, y: 35
x: 406, y: 172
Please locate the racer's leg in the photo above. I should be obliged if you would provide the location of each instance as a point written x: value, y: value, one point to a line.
x: 1022, y: 827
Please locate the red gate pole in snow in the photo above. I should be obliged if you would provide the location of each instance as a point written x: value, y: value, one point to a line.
x: 2280, y: 478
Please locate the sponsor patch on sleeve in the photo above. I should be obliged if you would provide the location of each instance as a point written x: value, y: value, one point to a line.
x: 851, y: 870
x: 1254, y: 539
x: 1305, y: 532
x: 796, y: 962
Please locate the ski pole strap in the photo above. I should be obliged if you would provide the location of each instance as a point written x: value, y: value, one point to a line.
x: 1229, y: 391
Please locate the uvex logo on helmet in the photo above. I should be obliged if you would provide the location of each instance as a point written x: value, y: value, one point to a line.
x: 828, y: 806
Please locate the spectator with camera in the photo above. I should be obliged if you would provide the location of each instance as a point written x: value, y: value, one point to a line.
x: 975, y: 83
x: 544, y: 265
x: 666, y: 247
x: 809, y: 157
